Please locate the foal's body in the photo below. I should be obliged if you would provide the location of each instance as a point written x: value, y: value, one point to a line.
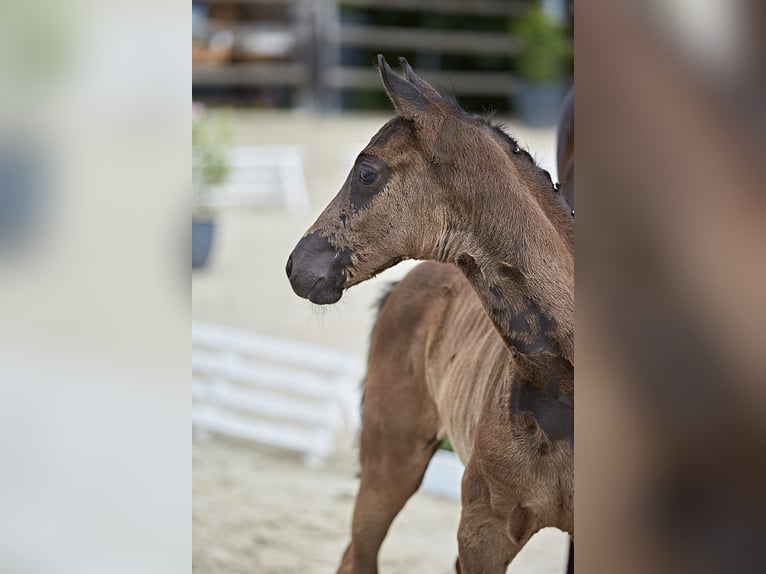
x: 437, y: 368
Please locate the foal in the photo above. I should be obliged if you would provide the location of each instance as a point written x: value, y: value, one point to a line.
x: 437, y: 368
x: 436, y: 183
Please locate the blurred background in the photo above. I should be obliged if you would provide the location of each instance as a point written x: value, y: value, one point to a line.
x: 286, y: 95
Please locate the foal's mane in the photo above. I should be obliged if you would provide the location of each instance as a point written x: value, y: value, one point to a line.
x: 547, y: 194
x: 545, y: 191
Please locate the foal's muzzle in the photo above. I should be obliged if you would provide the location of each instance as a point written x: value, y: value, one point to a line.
x: 316, y: 270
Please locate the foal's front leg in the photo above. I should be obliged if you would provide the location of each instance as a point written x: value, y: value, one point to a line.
x: 484, y: 546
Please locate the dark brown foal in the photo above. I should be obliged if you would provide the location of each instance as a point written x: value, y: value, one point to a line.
x: 437, y: 367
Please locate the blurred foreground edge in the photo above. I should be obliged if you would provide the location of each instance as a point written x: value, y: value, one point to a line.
x: 670, y: 432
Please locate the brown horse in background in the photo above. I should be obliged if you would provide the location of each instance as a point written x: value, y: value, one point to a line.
x: 565, y: 149
x: 565, y: 163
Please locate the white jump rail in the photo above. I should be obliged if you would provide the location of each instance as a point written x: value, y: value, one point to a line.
x: 443, y: 475
x: 274, y: 391
x: 265, y: 175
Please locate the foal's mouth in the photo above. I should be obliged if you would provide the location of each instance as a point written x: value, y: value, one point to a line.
x: 315, y: 270
x: 327, y: 290
x: 320, y: 295
x: 352, y: 279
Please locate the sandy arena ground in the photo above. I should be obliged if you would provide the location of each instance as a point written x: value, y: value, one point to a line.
x: 259, y: 510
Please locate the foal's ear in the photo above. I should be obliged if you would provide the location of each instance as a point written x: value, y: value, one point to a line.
x: 425, y: 88
x: 409, y: 101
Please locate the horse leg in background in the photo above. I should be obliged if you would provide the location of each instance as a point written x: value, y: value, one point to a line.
x: 400, y: 427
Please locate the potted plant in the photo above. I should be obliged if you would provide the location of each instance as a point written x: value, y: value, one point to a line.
x: 210, y: 167
x: 540, y: 65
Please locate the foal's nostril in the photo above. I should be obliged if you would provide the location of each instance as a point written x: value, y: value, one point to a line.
x: 289, y: 266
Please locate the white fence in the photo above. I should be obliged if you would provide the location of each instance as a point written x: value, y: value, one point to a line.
x: 274, y: 391
x: 263, y: 176
x: 443, y: 475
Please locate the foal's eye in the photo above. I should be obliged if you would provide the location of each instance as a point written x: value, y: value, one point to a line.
x: 366, y: 175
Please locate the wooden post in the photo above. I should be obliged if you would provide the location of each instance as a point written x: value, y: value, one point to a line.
x: 303, y: 20
x: 328, y: 50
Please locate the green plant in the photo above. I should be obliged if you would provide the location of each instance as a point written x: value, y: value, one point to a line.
x: 211, y: 137
x: 543, y: 45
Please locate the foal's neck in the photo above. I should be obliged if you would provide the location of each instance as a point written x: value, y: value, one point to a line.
x: 518, y: 253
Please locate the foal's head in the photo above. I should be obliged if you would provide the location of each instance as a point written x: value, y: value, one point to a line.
x: 424, y: 180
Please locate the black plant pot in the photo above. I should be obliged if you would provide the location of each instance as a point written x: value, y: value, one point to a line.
x: 538, y: 105
x: 203, y: 230
x: 22, y: 195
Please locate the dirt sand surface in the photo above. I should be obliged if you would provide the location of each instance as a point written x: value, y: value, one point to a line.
x: 258, y: 510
